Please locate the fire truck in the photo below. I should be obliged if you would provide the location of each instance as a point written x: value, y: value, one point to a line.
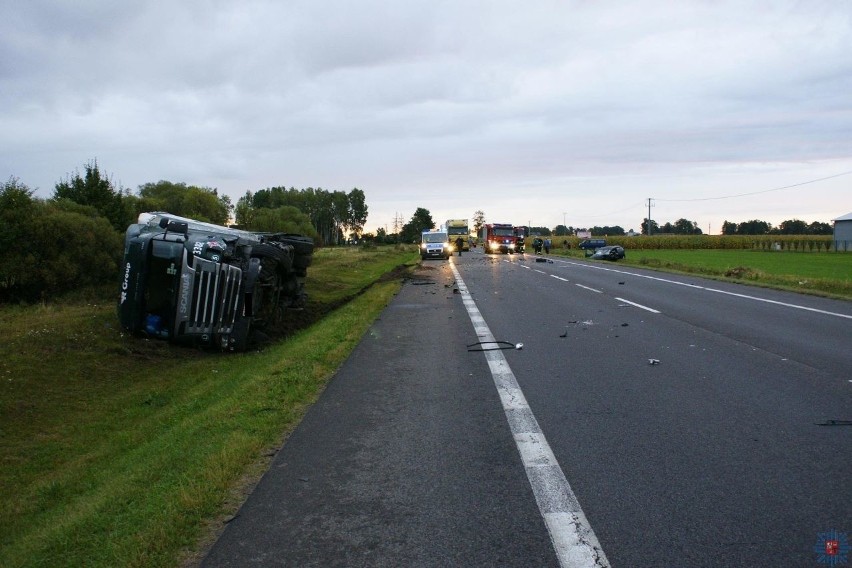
x: 498, y: 237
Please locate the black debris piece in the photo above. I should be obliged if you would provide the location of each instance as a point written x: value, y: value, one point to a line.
x: 480, y: 345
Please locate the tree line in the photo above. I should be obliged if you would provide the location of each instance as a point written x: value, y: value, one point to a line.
x: 789, y: 227
x: 332, y: 214
x: 421, y: 220
x: 74, y: 239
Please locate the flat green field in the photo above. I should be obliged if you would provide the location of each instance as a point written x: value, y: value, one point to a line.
x: 818, y: 273
x: 822, y: 274
x: 837, y: 266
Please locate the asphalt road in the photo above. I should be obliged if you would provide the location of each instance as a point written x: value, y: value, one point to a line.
x: 694, y: 423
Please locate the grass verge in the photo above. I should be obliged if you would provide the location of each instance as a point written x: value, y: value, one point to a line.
x: 118, y: 451
x: 823, y: 274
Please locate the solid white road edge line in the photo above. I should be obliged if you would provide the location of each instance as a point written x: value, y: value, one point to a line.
x: 574, y: 541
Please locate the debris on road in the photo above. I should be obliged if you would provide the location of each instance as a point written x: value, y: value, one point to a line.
x: 653, y: 361
x: 493, y: 345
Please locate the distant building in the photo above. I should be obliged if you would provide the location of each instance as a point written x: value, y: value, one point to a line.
x: 843, y: 228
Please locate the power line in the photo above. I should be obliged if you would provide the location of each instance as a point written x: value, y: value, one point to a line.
x: 610, y: 214
x: 759, y: 192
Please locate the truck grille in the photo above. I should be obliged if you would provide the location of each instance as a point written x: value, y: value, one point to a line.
x: 215, y: 297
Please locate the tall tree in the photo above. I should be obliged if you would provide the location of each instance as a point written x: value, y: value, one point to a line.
x: 331, y: 213
x: 478, y: 220
x: 685, y: 227
x: 754, y: 227
x: 96, y: 191
x: 420, y: 221
x: 284, y: 219
x: 729, y: 228
x: 17, y: 208
x: 792, y: 227
x: 818, y: 228
x: 357, y: 210
x: 654, y: 227
x: 244, y: 209
x: 202, y: 203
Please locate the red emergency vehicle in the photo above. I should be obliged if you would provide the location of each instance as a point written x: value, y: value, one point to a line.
x: 498, y: 237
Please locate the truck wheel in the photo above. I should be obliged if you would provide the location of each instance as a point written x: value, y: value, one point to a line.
x: 301, y: 244
x: 272, y: 259
x: 266, y: 298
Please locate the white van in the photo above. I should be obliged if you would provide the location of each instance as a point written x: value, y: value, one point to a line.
x: 435, y: 244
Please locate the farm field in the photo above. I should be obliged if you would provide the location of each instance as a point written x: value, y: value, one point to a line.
x: 805, y: 265
x: 828, y: 274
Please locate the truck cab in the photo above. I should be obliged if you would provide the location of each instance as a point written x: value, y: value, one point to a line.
x: 187, y: 281
x: 498, y: 237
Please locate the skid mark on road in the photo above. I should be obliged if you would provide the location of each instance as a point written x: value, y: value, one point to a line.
x: 574, y: 541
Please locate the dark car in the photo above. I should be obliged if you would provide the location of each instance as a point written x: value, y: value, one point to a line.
x: 609, y: 253
x: 592, y: 244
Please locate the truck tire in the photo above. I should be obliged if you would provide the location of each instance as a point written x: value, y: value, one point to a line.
x: 301, y: 244
x: 275, y: 263
x: 272, y: 259
x: 303, y: 248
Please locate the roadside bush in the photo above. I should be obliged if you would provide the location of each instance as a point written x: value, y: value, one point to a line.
x: 285, y: 219
x: 56, y: 251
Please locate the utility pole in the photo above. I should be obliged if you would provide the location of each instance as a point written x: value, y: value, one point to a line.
x: 649, y: 215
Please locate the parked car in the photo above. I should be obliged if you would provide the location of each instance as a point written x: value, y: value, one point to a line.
x: 609, y: 253
x: 592, y: 244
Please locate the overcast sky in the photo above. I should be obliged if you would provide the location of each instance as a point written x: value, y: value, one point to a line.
x: 536, y: 112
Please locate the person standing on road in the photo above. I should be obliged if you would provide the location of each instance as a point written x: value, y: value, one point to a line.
x: 459, y: 244
x: 547, y: 245
x: 537, y: 245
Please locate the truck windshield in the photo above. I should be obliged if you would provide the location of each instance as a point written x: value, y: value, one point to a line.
x: 162, y: 284
x: 504, y: 232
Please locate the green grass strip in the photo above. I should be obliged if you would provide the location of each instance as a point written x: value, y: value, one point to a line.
x: 133, y: 468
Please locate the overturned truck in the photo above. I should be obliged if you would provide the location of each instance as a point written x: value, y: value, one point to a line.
x: 192, y: 282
